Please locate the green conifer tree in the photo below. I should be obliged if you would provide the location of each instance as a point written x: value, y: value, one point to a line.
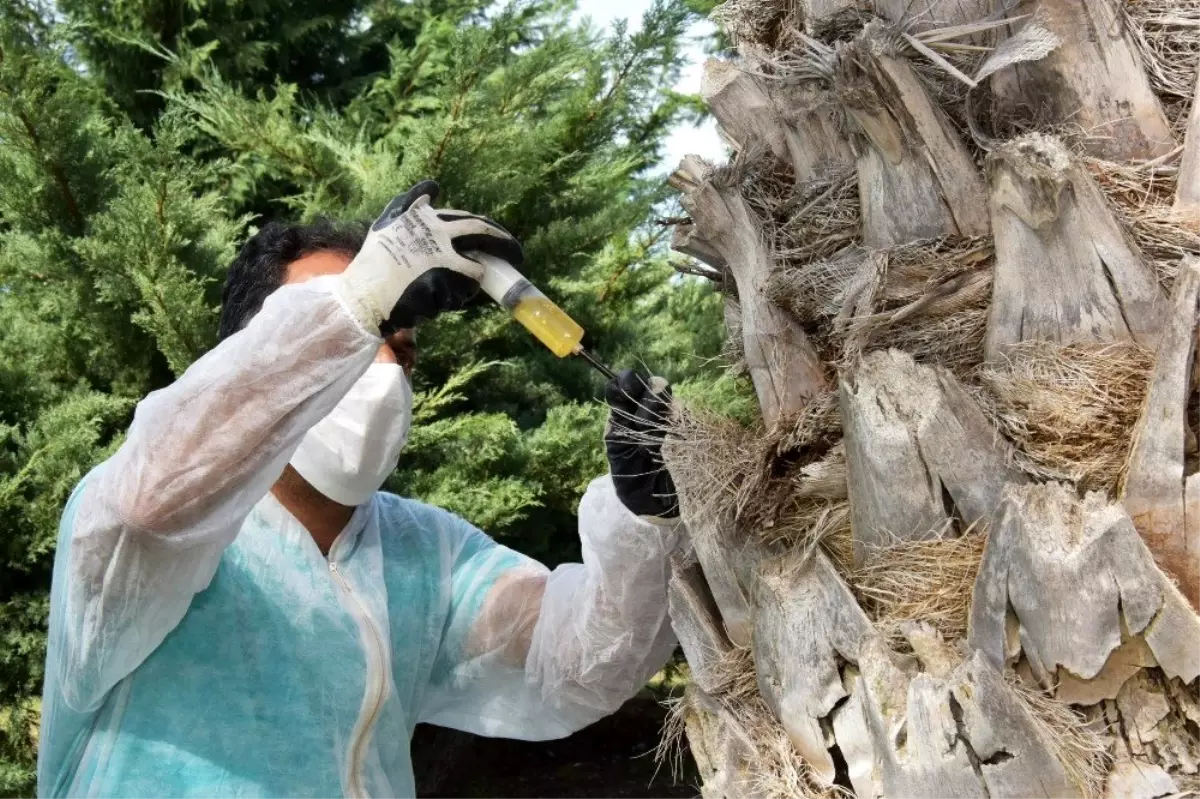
x: 139, y: 149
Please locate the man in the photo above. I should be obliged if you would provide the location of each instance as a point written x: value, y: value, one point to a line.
x: 236, y: 610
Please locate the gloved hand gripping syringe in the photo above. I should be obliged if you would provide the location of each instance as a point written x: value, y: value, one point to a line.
x: 550, y: 324
x: 633, y: 437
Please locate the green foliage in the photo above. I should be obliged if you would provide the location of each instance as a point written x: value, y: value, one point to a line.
x: 141, y: 142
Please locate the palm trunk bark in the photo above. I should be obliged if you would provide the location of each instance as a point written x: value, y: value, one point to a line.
x: 903, y: 584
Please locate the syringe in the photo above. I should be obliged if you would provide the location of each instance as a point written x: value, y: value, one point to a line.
x: 561, y: 334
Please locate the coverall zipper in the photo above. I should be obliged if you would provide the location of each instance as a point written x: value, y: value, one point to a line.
x: 376, y: 690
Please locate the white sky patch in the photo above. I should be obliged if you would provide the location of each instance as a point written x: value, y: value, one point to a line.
x: 685, y: 138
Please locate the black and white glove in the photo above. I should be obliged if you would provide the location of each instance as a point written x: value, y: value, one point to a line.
x: 415, y: 262
x: 639, y: 409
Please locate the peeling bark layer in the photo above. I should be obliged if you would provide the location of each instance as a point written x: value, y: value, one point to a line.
x: 783, y: 365
x: 913, y: 15
x: 1064, y: 269
x: 919, y: 452
x: 805, y: 621
x: 963, y: 733
x: 1094, y: 81
x: 1187, y: 189
x: 795, y: 121
x: 1152, y: 719
x: 697, y: 624
x: 1155, y: 489
x: 1060, y: 581
x: 922, y: 15
x: 721, y: 747
x: 916, y: 178
x: 687, y: 240
x: 713, y: 539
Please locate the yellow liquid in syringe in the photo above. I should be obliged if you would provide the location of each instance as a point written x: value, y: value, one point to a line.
x: 550, y: 324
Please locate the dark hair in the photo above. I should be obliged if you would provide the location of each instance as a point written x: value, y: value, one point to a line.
x: 261, y: 266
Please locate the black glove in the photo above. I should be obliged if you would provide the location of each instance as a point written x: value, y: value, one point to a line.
x: 639, y: 411
x: 441, y: 289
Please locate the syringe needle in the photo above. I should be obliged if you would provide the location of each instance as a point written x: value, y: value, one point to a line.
x: 596, y: 363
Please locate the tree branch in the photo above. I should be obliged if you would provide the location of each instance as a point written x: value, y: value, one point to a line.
x: 56, y: 171
x: 699, y: 270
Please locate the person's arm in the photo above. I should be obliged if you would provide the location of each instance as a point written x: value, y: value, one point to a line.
x: 148, y: 527
x: 151, y: 522
x: 533, y: 654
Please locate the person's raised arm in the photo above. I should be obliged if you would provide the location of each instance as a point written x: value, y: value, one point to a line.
x: 534, y: 654
x: 146, y: 529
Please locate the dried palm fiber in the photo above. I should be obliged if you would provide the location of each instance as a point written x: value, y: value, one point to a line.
x: 790, y: 468
x: 931, y: 301
x: 928, y: 298
x: 735, y: 683
x: 816, y: 292
x: 765, y: 23
x: 782, y: 24
x: 951, y: 334
x: 800, y: 525
x: 807, y: 507
x: 1079, y: 746
x: 1070, y: 409
x: 801, y: 222
x: 813, y: 212
x: 926, y: 581
x: 721, y: 465
x: 1167, y: 33
x: 710, y: 458
x: 838, y: 543
x: 1142, y: 196
x: 771, y: 766
x: 670, y: 750
x: 817, y: 221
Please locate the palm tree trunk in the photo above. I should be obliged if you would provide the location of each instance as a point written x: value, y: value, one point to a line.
x: 960, y: 556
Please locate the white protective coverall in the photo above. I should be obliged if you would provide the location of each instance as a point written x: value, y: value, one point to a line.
x: 201, y: 644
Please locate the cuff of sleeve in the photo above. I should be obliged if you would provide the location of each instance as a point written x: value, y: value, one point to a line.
x: 661, y: 522
x: 603, y: 490
x: 357, y: 307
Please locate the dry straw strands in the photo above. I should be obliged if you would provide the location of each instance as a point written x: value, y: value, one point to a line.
x: 928, y: 298
x: 1168, y: 34
x: 771, y: 767
x: 1070, y: 409
x: 1142, y: 196
x: 719, y: 465
x: 1079, y: 746
x: 926, y: 581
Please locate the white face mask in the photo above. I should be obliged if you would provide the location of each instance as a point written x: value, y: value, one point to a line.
x: 348, y: 454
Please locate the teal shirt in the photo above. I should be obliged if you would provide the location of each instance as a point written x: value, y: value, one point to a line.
x: 286, y: 678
